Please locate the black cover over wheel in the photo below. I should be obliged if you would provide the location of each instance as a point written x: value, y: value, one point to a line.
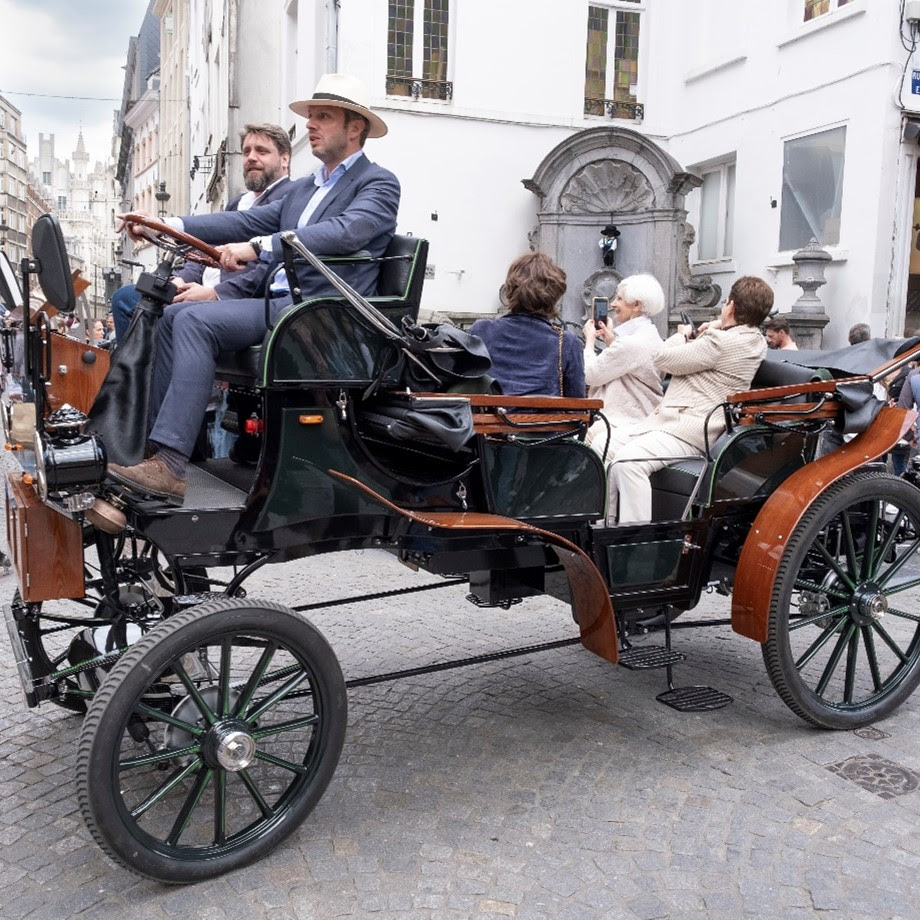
x: 211, y: 740
x: 843, y: 648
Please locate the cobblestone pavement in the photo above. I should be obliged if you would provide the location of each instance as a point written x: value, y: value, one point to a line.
x: 551, y: 785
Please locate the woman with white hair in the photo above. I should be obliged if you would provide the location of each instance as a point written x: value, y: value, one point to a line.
x: 623, y: 374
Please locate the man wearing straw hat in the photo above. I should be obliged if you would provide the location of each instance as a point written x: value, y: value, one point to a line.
x: 348, y: 204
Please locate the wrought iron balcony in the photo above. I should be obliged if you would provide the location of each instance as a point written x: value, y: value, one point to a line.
x: 613, y: 108
x: 419, y: 89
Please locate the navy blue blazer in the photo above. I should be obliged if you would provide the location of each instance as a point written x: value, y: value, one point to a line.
x: 247, y: 282
x: 359, y: 213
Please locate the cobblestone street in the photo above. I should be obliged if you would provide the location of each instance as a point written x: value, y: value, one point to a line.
x: 551, y: 785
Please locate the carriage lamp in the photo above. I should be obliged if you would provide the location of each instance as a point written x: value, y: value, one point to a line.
x: 608, y: 244
x: 68, y: 462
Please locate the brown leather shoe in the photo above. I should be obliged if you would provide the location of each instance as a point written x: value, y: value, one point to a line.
x: 150, y: 477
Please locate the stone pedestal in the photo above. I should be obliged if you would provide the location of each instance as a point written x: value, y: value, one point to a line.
x: 808, y: 318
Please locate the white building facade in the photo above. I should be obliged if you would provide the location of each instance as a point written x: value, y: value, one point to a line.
x: 768, y: 124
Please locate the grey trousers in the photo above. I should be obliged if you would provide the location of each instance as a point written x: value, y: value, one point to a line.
x: 189, y: 338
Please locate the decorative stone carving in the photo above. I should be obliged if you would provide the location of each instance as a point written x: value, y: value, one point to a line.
x: 607, y: 186
x: 696, y: 291
x: 602, y: 283
x: 533, y: 239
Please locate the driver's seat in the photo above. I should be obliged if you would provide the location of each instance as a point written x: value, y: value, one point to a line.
x: 399, y: 293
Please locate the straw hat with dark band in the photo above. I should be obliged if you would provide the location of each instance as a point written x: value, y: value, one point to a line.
x: 344, y: 92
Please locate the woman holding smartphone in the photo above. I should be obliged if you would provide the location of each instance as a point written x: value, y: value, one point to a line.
x: 623, y: 373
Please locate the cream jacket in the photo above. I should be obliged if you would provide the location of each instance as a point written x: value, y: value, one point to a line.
x: 704, y: 372
x: 624, y: 375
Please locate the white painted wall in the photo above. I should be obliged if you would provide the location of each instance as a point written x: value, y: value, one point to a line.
x: 716, y: 77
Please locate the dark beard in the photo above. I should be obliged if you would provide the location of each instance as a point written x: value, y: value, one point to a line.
x: 258, y: 181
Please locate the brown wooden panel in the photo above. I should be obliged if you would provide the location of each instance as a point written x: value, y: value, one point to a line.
x: 590, y: 597
x: 769, y: 535
x: 46, y: 547
x: 77, y: 372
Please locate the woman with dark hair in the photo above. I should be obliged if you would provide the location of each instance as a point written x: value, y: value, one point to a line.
x: 531, y: 356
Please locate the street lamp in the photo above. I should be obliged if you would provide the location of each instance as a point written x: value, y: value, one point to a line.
x: 162, y: 196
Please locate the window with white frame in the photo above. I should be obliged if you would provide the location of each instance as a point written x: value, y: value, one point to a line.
x: 418, y: 42
x: 612, y: 59
x: 812, y: 196
x: 815, y: 8
x: 715, y: 219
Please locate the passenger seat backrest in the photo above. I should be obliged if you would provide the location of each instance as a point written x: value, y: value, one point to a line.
x: 402, y: 273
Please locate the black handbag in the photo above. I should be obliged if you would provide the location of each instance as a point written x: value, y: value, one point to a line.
x: 437, y: 356
x: 440, y: 420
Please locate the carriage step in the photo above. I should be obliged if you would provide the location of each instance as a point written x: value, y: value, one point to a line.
x: 648, y: 657
x: 694, y: 699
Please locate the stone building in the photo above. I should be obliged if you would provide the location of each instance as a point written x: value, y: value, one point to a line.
x: 14, y: 178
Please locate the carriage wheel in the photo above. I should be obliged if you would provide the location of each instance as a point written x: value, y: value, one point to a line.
x: 211, y: 740
x: 843, y: 648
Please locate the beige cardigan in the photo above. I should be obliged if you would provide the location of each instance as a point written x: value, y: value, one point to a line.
x: 703, y: 373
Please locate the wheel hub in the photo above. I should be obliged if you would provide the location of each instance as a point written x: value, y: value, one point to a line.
x: 869, y: 604
x: 229, y: 745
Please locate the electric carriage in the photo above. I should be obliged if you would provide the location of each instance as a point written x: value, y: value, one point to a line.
x: 214, y: 721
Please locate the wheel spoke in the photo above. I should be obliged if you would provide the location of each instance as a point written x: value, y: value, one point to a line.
x: 798, y: 623
x: 160, y: 716
x: 226, y: 655
x: 889, y: 642
x: 872, y: 657
x: 279, y: 695
x: 903, y: 614
x: 850, y: 676
x: 885, y: 548
x: 255, y: 679
x: 868, y: 560
x: 818, y: 644
x: 188, y: 806
x: 158, y: 794
x: 132, y: 763
x: 849, y: 542
x: 291, y: 725
x: 280, y: 762
x: 220, y: 806
x: 257, y: 796
x: 832, y: 562
x: 899, y: 563
x: 205, y: 710
x: 834, y: 661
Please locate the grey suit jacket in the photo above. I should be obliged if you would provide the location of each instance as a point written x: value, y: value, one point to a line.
x: 359, y: 213
x: 704, y: 372
x: 247, y: 282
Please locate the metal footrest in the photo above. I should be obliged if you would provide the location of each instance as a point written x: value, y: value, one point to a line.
x: 648, y: 657
x: 694, y: 699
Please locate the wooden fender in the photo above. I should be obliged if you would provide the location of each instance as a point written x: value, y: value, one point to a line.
x: 766, y: 542
x: 590, y: 597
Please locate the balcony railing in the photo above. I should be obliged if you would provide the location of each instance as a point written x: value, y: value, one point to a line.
x: 420, y: 89
x: 613, y: 108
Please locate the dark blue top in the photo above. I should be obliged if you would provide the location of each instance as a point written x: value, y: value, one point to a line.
x: 525, y: 356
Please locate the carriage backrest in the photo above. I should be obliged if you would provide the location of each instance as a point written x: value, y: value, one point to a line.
x: 402, y: 273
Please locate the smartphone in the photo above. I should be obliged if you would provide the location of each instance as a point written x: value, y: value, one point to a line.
x: 685, y: 319
x: 600, y: 309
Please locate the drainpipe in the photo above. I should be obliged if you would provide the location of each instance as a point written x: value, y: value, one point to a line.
x: 332, y: 36
x: 234, y: 162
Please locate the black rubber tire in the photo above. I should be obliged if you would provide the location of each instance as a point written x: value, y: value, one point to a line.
x: 152, y: 684
x: 843, y: 647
